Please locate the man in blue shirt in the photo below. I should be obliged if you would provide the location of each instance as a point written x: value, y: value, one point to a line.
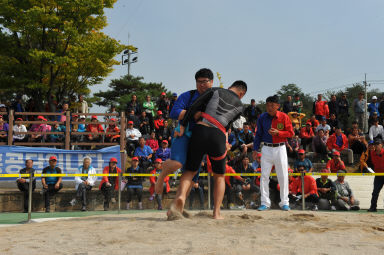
x: 144, y: 153
x: 204, y: 81
x: 302, y: 162
x: 374, y: 107
x: 51, y: 185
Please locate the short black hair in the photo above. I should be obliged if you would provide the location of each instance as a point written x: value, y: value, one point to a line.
x: 239, y: 85
x: 354, y: 122
x: 26, y: 161
x: 253, y: 100
x: 272, y: 99
x: 337, y: 127
x: 204, y: 73
x: 246, y: 124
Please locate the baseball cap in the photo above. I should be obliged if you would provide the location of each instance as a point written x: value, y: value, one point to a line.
x: 165, y: 141
x: 163, y: 93
x: 259, y: 155
x: 17, y: 118
x: 158, y: 160
x: 2, y: 105
x: 52, y: 158
x: 113, y: 160
x: 159, y: 112
x: 40, y: 117
x: 174, y: 94
x: 135, y: 159
x: 113, y: 119
x: 82, y: 116
x: 130, y: 122
x: 94, y: 117
x: 336, y: 153
x: 341, y: 171
x: 301, y: 151
x: 378, y: 141
x: 370, y: 142
x: 374, y: 97
x: 323, y: 118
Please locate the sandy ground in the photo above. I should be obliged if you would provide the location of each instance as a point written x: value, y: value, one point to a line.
x: 242, y: 232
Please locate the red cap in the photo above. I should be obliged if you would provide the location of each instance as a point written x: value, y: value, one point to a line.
x: 17, y: 118
x: 159, y: 112
x: 163, y: 93
x: 113, y: 160
x: 165, y: 141
x: 301, y: 151
x: 324, y: 171
x: 52, y: 158
x: 75, y: 116
x: 258, y: 155
x: 158, y: 160
x: 113, y: 119
x: 40, y: 117
x: 336, y: 153
x: 130, y: 122
x: 94, y: 117
x: 135, y: 158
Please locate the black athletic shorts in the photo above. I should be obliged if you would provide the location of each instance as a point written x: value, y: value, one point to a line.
x: 210, y: 141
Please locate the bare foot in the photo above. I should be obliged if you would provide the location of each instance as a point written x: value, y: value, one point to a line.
x: 218, y: 217
x: 174, y: 212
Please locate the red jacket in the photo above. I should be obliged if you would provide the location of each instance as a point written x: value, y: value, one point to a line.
x: 229, y: 170
x: 331, y: 143
x: 314, y: 123
x: 283, y: 124
x: 305, y: 134
x: 309, y: 185
x: 113, y: 130
x: 153, y: 179
x: 153, y: 143
x: 334, y: 166
x: 321, y: 108
x: 95, y: 128
x: 159, y: 123
x: 378, y: 161
x: 105, y: 178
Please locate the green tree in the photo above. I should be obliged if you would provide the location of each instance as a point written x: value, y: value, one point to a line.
x: 54, y: 47
x: 121, y: 91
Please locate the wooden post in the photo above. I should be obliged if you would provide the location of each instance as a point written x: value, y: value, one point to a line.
x: 10, y: 127
x: 67, y: 130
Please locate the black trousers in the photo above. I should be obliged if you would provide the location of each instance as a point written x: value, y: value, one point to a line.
x: 49, y: 192
x: 81, y: 192
x: 24, y: 187
x: 132, y: 191
x: 377, y: 186
x: 107, y: 192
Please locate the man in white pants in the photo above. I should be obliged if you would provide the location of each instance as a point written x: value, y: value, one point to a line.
x: 273, y: 129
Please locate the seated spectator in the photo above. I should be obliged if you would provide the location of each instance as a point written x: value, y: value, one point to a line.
x: 377, y: 159
x: 63, y: 117
x: 84, y: 183
x: 293, y: 146
x: 372, y: 119
x: 134, y: 184
x: 319, y: 145
x: 255, y: 190
x: 133, y: 117
x: 333, y: 123
x: 3, y: 128
x: 112, y: 109
x: 3, y: 109
x: 109, y: 183
x: 229, y: 181
x: 57, y: 138
x: 296, y: 118
x: 245, y: 138
x: 335, y: 164
x: 355, y: 125
x: 232, y: 140
x: 304, y: 162
x: 324, y: 126
x: 74, y: 127
x: 82, y: 127
x: 310, y: 190
x: 314, y: 122
x: 327, y: 192
x: 23, y: 182
x: 144, y: 126
x: 338, y: 141
x: 306, y: 135
x: 164, y: 152
x: 51, y: 185
x: 96, y: 129
x: 132, y: 135
x: 153, y: 179
x: 376, y: 131
x: 153, y: 142
x: 112, y: 128
x: 357, y: 142
x: 344, y: 195
x: 256, y: 162
x: 238, y: 124
x: 165, y: 133
x: 159, y: 121
x: 144, y: 153
x: 196, y: 189
x: 19, y: 128
x: 366, y: 165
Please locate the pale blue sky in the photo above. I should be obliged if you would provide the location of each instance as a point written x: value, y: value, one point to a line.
x: 315, y: 44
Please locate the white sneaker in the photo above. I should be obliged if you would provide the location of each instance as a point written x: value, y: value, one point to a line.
x: 140, y: 205
x: 73, y: 201
x: 113, y: 200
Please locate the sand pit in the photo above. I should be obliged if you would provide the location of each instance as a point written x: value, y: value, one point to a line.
x: 242, y: 232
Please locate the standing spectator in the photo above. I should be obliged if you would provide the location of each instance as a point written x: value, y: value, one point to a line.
x: 173, y: 100
x: 252, y: 112
x: 287, y: 105
x: 109, y: 183
x: 82, y: 106
x: 163, y: 104
x: 327, y: 192
x: 51, y: 185
x: 359, y: 108
x: 333, y: 123
x: 164, y: 152
x: 96, y: 129
x: 333, y: 105
x: 149, y: 106
x: 344, y: 195
x: 377, y: 158
x: 314, y: 122
x: 319, y: 144
x: 134, y: 105
x: 132, y: 135
x: 320, y: 108
x: 366, y: 160
x: 159, y: 121
x: 245, y: 138
x: 304, y: 162
x: 296, y: 118
x: 374, y: 106
x: 335, y: 164
x: 152, y: 180
x: 357, y: 142
x: 84, y: 183
x: 324, y: 126
x: 306, y: 135
x: 18, y: 106
x: 144, y: 153
x: 310, y: 190
x: 134, y: 184
x: 152, y: 142
x: 132, y: 117
x: 112, y: 128
x: 19, y: 128
x: 297, y: 104
x: 343, y: 113
x: 4, y: 112
x: 23, y: 182
x: 376, y: 131
x: 3, y: 130
x: 144, y: 126
x: 338, y: 141
x: 166, y: 132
